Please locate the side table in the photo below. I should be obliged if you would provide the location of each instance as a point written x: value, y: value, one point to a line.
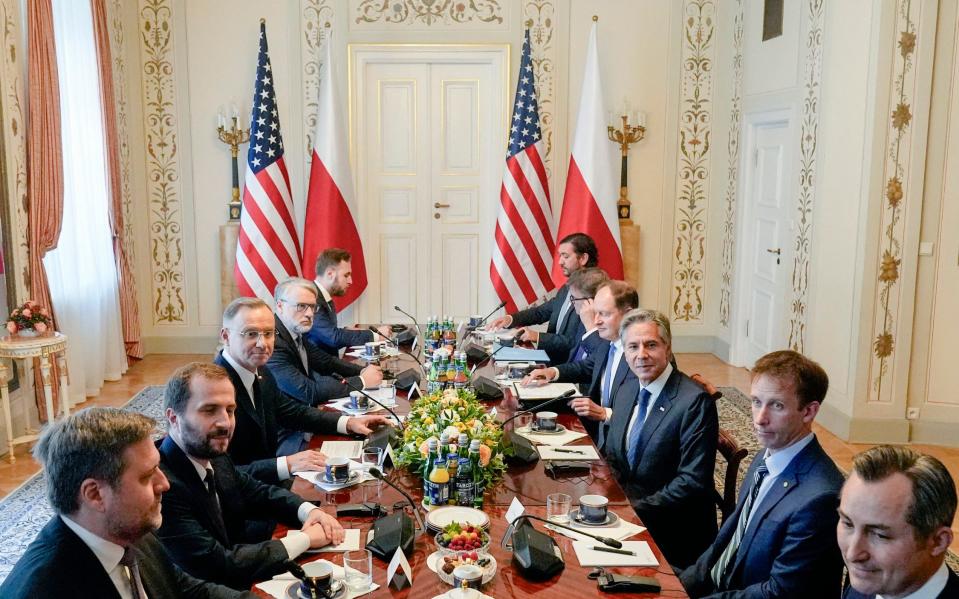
x: 43, y: 347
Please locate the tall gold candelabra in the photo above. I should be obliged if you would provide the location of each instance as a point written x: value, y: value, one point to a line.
x: 233, y: 137
x: 625, y: 137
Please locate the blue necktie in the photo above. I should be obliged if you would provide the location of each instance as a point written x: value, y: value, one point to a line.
x: 579, y: 354
x: 633, y: 442
x: 608, y: 377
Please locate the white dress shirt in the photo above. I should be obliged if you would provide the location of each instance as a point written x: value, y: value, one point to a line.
x: 655, y: 388
x: 109, y: 555
x: 776, y: 464
x: 614, y: 364
x: 932, y: 588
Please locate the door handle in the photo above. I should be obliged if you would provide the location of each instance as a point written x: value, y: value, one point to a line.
x: 776, y: 251
x: 438, y: 205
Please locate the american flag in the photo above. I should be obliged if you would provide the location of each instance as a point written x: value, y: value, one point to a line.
x: 523, y: 251
x: 268, y: 249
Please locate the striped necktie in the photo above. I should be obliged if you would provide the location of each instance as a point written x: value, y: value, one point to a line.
x: 718, y: 573
x: 129, y: 560
x: 608, y: 376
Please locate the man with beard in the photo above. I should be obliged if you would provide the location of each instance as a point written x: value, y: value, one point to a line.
x: 334, y: 275
x: 210, y: 503
x: 248, y: 333
x: 302, y: 370
x: 564, y: 328
x: 104, y: 483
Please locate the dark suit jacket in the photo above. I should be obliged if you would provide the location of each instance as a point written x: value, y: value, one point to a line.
x: 789, y: 548
x: 256, y: 436
x: 316, y: 386
x: 950, y: 592
x: 59, y: 564
x: 557, y: 342
x: 212, y: 543
x: 671, y: 488
x: 589, y: 373
x: 329, y: 337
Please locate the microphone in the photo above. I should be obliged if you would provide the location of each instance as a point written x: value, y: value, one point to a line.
x: 353, y: 387
x: 540, y: 406
x: 604, y: 540
x: 378, y: 474
x: 502, y: 304
x: 419, y: 333
x: 397, y: 346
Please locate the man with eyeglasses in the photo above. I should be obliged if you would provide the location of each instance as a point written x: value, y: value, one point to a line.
x: 334, y: 275
x: 302, y: 370
x: 262, y: 409
x: 604, y: 370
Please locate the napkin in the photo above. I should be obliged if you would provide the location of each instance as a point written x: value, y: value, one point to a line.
x: 343, y: 405
x: 276, y: 587
x: 619, y: 531
x: 589, y: 558
x: 350, y: 543
x: 563, y: 438
x: 581, y: 452
x: 316, y: 478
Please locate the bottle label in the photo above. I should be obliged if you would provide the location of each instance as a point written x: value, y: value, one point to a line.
x: 438, y: 493
x: 464, y: 492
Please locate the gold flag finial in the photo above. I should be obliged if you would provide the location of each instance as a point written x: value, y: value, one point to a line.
x: 595, y: 18
x: 529, y: 22
x: 262, y: 21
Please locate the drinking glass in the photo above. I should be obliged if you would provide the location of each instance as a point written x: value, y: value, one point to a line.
x: 557, y: 507
x: 358, y: 566
x: 388, y: 392
x: 373, y: 456
x: 501, y: 370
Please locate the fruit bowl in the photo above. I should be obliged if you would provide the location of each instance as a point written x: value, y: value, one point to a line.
x: 457, y: 538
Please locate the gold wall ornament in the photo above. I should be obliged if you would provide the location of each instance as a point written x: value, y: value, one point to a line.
x: 117, y: 51
x: 233, y: 137
x: 898, y: 173
x: 732, y: 169
x: 626, y: 136
x: 541, y: 21
x: 428, y: 12
x: 695, y: 126
x: 162, y: 162
x: 808, y: 139
x: 316, y: 20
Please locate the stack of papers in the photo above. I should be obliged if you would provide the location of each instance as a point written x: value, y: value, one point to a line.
x: 276, y: 587
x: 573, y: 452
x: 350, y: 543
x: 342, y: 449
x: 590, y: 558
x: 547, y: 391
x: 520, y: 354
x: 619, y: 531
x: 563, y: 438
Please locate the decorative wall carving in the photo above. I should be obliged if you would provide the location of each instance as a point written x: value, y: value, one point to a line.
x: 162, y: 162
x: 540, y: 18
x: 807, y: 174
x: 316, y: 17
x: 14, y: 137
x: 732, y: 167
x: 117, y: 41
x: 427, y: 12
x: 695, y: 124
x: 897, y: 177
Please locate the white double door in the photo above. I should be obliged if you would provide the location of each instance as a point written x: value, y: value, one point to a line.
x: 430, y: 147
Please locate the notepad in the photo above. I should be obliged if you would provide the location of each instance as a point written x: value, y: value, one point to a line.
x: 342, y: 449
x: 589, y: 558
x: 567, y: 452
x: 520, y: 354
x: 547, y: 391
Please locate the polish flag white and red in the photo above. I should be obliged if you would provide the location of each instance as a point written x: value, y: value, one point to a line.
x: 268, y: 250
x: 592, y: 183
x: 329, y: 200
x: 523, y: 242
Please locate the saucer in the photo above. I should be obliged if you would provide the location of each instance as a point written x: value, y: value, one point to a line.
x: 559, y: 430
x: 337, y: 588
x: 611, y: 519
x: 354, y: 476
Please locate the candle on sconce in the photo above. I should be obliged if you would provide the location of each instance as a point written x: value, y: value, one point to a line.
x: 640, y: 119
x: 236, y: 113
x: 610, y: 119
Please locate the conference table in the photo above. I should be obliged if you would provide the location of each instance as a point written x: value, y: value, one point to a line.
x: 530, y: 483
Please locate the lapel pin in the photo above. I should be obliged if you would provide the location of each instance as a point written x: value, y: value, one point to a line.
x: 662, y: 409
x: 785, y: 484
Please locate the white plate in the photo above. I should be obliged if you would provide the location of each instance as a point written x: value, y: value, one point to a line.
x: 434, y: 560
x: 439, y: 518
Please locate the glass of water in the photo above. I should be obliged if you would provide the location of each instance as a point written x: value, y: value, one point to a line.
x: 358, y: 566
x: 373, y: 456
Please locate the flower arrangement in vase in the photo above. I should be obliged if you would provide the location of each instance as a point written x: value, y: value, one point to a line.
x: 29, y: 320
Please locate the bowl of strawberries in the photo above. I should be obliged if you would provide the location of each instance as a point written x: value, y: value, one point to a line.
x: 458, y: 537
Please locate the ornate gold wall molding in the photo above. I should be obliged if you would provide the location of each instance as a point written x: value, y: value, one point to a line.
x: 117, y: 52
x: 812, y: 75
x: 695, y: 124
x: 14, y: 101
x: 427, y: 13
x: 732, y: 167
x: 897, y: 177
x: 315, y: 17
x: 162, y: 162
x: 541, y: 17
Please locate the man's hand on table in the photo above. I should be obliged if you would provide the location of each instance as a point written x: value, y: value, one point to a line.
x: 503, y: 322
x: 530, y: 336
x: 364, y: 425
x: 306, y: 461
x: 323, y: 528
x: 385, y: 330
x: 539, y: 377
x: 372, y: 376
x: 584, y: 406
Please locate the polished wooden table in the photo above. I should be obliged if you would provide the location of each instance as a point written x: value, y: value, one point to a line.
x: 531, y: 484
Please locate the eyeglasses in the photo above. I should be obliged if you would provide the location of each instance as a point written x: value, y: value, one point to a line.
x: 300, y: 308
x: 254, y: 335
x: 573, y: 300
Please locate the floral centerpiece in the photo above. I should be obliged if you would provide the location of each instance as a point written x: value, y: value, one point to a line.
x: 453, y: 411
x: 28, y: 318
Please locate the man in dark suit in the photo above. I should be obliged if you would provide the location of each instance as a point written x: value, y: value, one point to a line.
x: 895, y: 513
x: 301, y: 369
x: 780, y: 541
x: 334, y: 275
x: 662, y: 441
x: 604, y: 370
x: 210, y: 503
x: 104, y: 483
x: 247, y: 335
x: 564, y: 329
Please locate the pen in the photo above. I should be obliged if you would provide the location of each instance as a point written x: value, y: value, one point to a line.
x: 610, y: 550
x: 557, y: 450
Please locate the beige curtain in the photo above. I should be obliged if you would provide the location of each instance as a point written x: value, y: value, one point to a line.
x: 44, y: 162
x: 129, y: 310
